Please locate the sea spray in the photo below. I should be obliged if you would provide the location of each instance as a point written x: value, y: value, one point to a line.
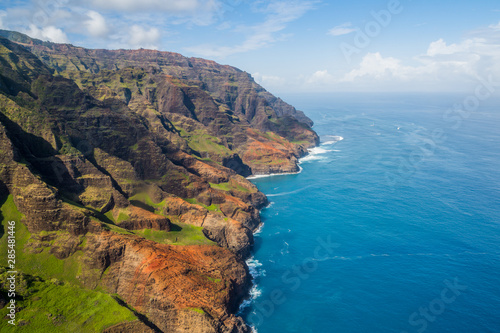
x: 274, y: 174
x: 254, y: 266
x: 312, y: 155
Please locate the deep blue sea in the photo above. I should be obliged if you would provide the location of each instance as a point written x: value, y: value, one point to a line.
x: 392, y: 226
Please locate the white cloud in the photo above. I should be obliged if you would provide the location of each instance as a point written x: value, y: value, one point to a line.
x: 279, y: 14
x: 342, y: 29
x: 49, y: 33
x: 432, y: 70
x: 374, y: 65
x: 2, y: 15
x: 440, y: 47
x: 495, y: 26
x: 197, y: 12
x: 96, y: 24
x: 147, y: 5
x: 268, y: 80
x: 445, y: 66
x: 320, y: 77
x: 142, y: 37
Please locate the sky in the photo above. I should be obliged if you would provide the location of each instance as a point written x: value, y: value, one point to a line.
x: 294, y: 46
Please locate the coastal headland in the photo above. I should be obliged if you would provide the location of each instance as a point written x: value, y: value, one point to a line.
x: 124, y: 171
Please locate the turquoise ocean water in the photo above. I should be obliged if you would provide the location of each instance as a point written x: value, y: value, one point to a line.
x: 393, y: 225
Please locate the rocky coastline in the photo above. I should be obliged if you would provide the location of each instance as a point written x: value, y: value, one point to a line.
x: 125, y: 171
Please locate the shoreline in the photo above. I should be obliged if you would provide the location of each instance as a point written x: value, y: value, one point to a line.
x: 276, y: 174
x: 252, y: 263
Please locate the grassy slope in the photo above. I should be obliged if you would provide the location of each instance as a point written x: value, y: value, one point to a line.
x: 180, y: 234
x: 48, y: 305
x: 231, y: 186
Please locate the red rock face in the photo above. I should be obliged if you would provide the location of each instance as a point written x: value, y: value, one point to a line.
x: 198, y: 285
x: 122, y: 141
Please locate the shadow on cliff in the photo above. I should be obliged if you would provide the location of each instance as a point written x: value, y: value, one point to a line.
x: 41, y: 157
x: 140, y: 316
x: 142, y: 205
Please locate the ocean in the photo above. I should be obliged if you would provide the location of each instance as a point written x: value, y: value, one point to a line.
x: 393, y: 224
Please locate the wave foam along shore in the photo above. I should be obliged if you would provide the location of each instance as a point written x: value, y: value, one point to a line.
x: 332, y: 140
x: 274, y: 174
x: 252, y: 263
x: 313, y: 153
x: 311, y: 156
x: 253, y: 266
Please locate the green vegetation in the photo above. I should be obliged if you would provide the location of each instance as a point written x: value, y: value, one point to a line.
x: 18, y: 109
x: 222, y: 186
x: 212, y: 207
x: 175, y: 174
x: 193, y: 201
x: 143, y: 200
x: 109, y: 215
x: 67, y: 148
x: 207, y: 143
x: 269, y: 160
x: 230, y: 186
x: 45, y: 303
x: 203, y: 143
x: 181, y: 234
x: 205, y: 159
x: 122, y: 216
x: 51, y: 306
x: 199, y: 310
x: 9, y: 210
x: 272, y: 136
x: 302, y: 142
x: 213, y: 279
x: 43, y: 264
x: 116, y: 229
x: 180, y: 83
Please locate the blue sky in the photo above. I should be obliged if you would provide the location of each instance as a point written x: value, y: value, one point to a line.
x: 291, y: 46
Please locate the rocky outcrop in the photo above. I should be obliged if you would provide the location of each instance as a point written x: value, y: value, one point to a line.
x: 179, y: 289
x: 139, y: 218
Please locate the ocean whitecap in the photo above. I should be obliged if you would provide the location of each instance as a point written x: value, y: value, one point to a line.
x: 274, y: 174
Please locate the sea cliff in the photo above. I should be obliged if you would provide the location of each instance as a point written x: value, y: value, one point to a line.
x: 125, y: 173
